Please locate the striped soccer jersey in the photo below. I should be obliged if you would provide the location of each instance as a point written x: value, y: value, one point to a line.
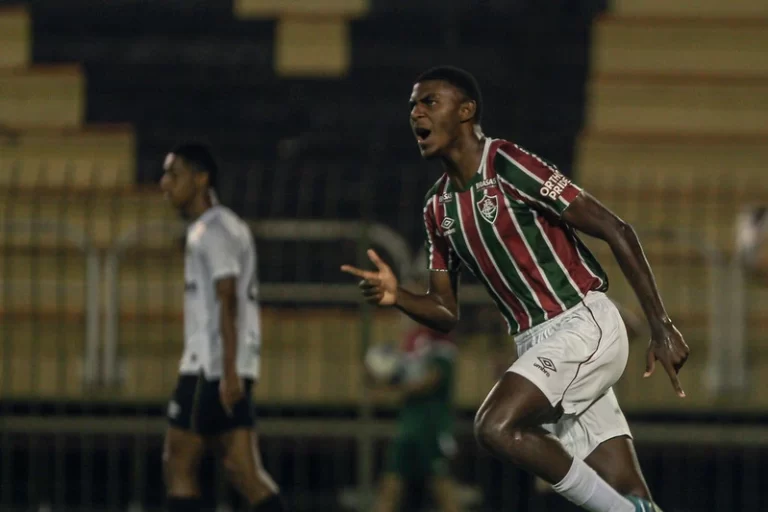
x: 506, y: 228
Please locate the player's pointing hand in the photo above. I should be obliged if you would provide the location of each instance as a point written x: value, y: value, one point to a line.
x: 379, y: 286
x: 668, y: 347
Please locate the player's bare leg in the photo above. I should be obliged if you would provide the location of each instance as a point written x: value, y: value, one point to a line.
x: 182, y: 452
x: 444, y: 493
x: 390, y: 493
x: 616, y: 462
x: 238, y: 451
x: 508, y: 424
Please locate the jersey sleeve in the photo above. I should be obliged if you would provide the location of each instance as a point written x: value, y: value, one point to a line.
x: 534, y: 181
x: 440, y: 255
x: 220, y: 252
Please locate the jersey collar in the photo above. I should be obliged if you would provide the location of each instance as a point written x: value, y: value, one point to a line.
x: 481, y: 170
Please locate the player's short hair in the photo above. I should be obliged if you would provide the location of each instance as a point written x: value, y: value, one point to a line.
x: 200, y: 159
x: 459, y: 78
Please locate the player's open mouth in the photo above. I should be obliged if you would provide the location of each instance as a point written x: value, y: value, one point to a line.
x: 422, y: 134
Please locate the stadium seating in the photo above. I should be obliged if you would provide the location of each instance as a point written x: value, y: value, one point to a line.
x: 311, y: 37
x: 97, y: 157
x: 701, y: 9
x: 15, y: 33
x: 677, y: 104
x: 49, y: 97
x: 58, y: 177
x: 655, y: 45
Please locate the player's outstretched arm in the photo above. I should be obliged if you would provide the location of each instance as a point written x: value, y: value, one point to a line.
x: 437, y: 309
x: 667, y: 345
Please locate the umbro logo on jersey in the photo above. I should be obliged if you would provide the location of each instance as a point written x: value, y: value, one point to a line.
x: 488, y: 207
x: 447, y: 223
x: 545, y: 365
x: 447, y: 197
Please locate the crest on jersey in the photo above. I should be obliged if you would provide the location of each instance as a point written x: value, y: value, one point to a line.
x: 488, y: 207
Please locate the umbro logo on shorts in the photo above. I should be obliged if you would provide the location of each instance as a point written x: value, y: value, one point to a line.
x: 545, y: 365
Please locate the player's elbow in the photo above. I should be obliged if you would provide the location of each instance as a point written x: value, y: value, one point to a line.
x: 620, y: 232
x: 448, y: 324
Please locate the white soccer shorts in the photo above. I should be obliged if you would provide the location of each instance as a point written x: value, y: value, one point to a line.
x: 574, y: 359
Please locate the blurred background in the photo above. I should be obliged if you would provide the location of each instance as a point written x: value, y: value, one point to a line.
x: 657, y: 107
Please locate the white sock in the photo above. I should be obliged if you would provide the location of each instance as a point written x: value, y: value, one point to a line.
x: 584, y: 487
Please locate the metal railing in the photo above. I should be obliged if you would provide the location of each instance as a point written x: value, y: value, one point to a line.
x: 79, y: 239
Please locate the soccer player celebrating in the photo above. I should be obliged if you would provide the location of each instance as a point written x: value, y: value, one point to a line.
x: 211, y: 407
x: 511, y: 219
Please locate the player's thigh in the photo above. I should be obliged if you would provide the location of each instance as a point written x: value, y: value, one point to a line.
x: 183, y: 447
x: 184, y: 407
x: 616, y: 462
x: 514, y: 402
x: 238, y: 449
x: 182, y: 452
x: 579, y: 358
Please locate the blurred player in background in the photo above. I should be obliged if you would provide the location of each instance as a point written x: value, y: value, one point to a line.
x: 511, y: 218
x: 211, y: 407
x: 424, y: 445
x: 752, y: 241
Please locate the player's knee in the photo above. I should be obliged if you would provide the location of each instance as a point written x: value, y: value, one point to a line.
x: 253, y: 482
x: 239, y: 469
x: 177, y: 465
x: 233, y: 467
x: 495, y: 428
x: 628, y: 484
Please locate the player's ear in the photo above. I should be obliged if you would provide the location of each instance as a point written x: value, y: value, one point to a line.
x: 467, y: 110
x: 202, y: 180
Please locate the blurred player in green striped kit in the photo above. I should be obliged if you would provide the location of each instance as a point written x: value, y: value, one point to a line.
x: 424, y: 445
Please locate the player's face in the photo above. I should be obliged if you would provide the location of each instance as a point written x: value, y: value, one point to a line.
x: 179, y: 183
x: 435, y: 116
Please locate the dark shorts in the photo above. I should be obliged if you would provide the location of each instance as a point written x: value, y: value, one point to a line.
x: 196, y: 407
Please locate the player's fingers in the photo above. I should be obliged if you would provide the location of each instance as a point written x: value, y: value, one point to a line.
x: 376, y: 260
x: 650, y: 363
x: 349, y: 269
x: 679, y: 361
x: 673, y: 378
x: 374, y: 299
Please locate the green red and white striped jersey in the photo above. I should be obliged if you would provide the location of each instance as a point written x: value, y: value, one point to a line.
x: 506, y: 228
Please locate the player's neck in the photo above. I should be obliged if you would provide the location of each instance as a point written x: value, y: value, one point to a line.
x: 198, y: 207
x: 463, y: 160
